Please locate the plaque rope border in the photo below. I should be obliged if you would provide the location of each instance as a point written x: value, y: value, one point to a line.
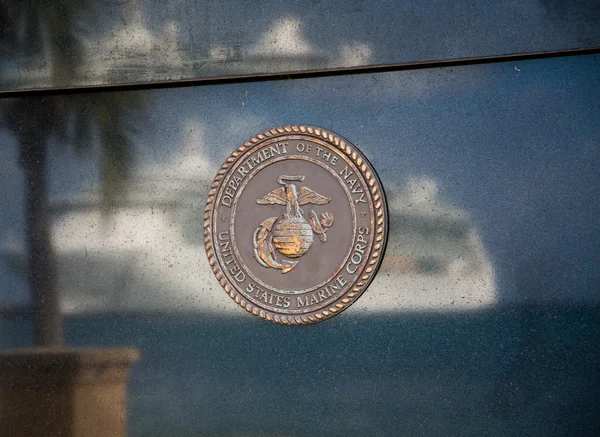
x: 380, y: 224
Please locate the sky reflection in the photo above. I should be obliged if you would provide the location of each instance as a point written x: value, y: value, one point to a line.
x: 142, y: 40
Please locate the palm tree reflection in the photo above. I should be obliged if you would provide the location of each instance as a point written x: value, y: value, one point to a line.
x: 52, y: 31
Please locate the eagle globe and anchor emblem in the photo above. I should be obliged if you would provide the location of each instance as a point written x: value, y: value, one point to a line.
x: 295, y: 225
x: 291, y: 234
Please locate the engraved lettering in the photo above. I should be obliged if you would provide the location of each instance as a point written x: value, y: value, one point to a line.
x: 279, y: 301
x: 242, y: 171
x: 233, y: 267
x: 274, y: 149
x: 302, y: 302
x: 304, y: 148
x: 324, y: 293
x: 266, y: 153
x: 361, y: 199
x: 346, y: 173
x: 229, y: 261
x: 358, y: 189
x: 355, y: 186
x: 224, y: 244
x: 327, y: 156
x: 230, y: 191
x: 332, y: 289
x: 359, y: 249
x: 292, y: 213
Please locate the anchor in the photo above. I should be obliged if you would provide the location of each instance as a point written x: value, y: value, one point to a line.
x: 292, y: 234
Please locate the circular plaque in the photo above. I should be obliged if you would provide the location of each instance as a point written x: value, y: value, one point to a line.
x: 295, y: 225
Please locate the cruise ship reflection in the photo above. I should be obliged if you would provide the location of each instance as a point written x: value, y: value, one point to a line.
x: 435, y: 258
x: 148, y: 254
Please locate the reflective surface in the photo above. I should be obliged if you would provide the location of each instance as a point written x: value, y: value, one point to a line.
x: 69, y: 43
x: 482, y: 319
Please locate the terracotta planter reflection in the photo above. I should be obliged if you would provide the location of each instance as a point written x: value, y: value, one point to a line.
x: 64, y: 392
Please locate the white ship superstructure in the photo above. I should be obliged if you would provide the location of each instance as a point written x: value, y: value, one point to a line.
x: 148, y: 252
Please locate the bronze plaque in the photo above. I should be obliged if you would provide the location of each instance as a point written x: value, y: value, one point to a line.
x: 295, y: 225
